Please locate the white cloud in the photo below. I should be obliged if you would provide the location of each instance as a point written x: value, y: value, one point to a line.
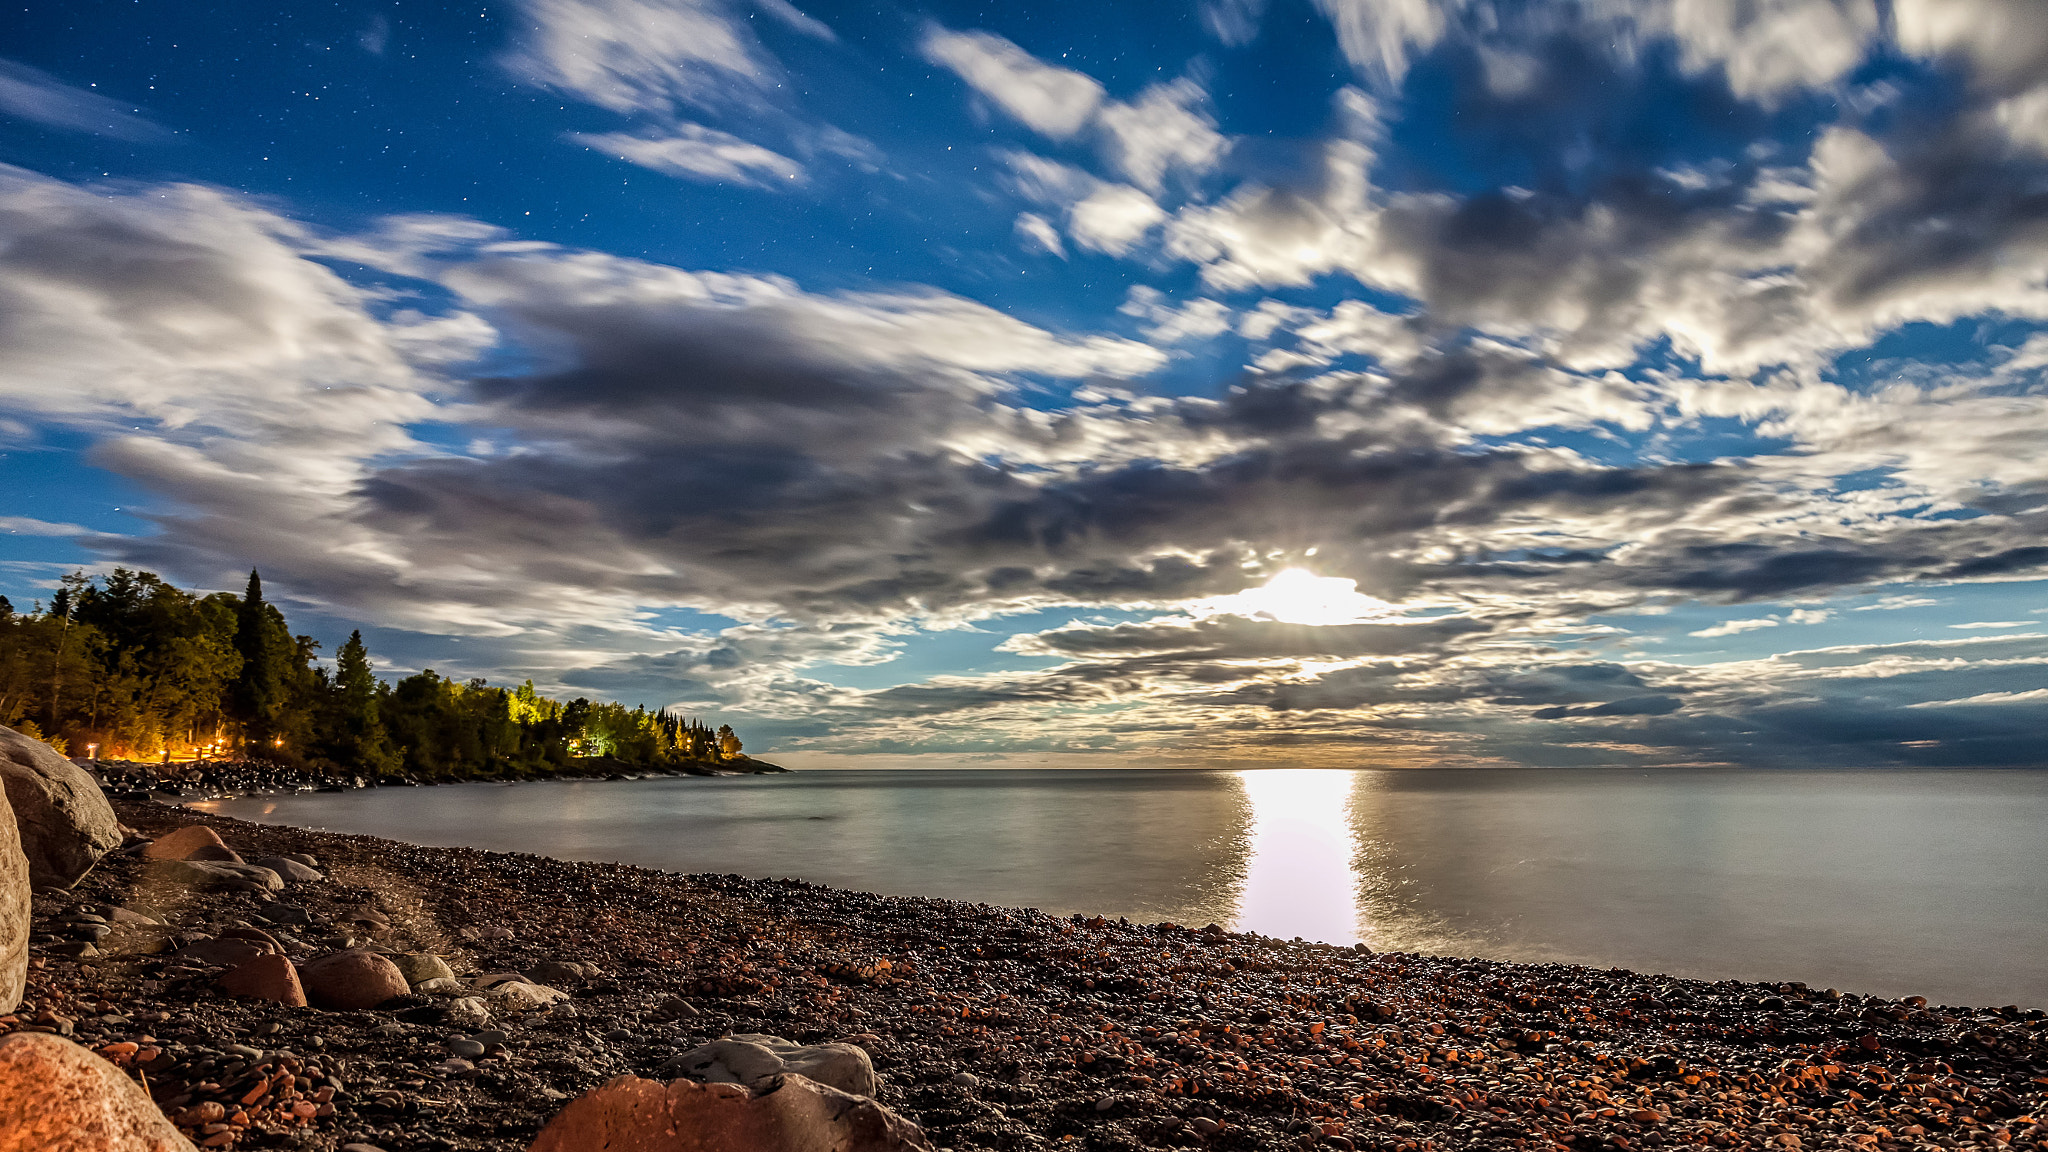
x: 695, y: 152
x: 1995, y: 624
x: 1113, y: 218
x: 27, y: 526
x: 1377, y: 35
x: 37, y: 96
x: 1197, y: 319
x: 1895, y: 603
x: 640, y: 56
x: 1809, y: 615
x: 1036, y: 231
x: 1988, y: 699
x: 1166, y: 127
x: 1055, y: 101
x: 796, y: 18
x: 1766, y: 50
x: 2006, y: 40
x: 1735, y: 627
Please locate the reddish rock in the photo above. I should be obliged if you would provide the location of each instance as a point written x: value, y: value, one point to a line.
x: 181, y: 844
x: 231, y: 953
x: 64, y: 821
x: 219, y: 852
x: 352, y: 979
x: 266, y: 978
x: 14, y: 911
x: 786, y: 1114
x: 57, y: 1097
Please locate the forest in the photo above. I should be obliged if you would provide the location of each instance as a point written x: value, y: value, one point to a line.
x: 132, y: 667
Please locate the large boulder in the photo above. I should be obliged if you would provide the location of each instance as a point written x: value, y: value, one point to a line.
x: 268, y: 977
x: 14, y: 911
x: 64, y: 820
x: 751, y: 1059
x: 352, y: 979
x: 181, y: 843
x: 786, y: 1114
x: 57, y: 1097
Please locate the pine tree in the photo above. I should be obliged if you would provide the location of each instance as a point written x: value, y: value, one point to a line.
x: 359, y: 740
x: 258, y: 696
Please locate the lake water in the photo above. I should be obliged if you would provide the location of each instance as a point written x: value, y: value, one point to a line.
x: 1889, y: 882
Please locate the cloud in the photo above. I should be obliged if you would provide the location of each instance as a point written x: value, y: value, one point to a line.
x: 1765, y: 51
x: 797, y: 19
x: 1197, y: 319
x: 1989, y: 699
x: 1057, y: 102
x: 706, y: 155
x: 1736, y: 627
x: 1377, y: 35
x: 1035, y: 230
x: 38, y: 97
x: 1113, y: 218
x: 28, y: 526
x: 640, y: 56
x: 1896, y: 603
x: 1168, y: 126
x: 1995, y: 624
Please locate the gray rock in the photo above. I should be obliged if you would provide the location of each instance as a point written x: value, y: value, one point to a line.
x: 287, y: 914
x: 132, y: 916
x: 420, y: 967
x: 215, y: 874
x: 14, y: 912
x: 468, y: 1049
x: 555, y: 972
x: 289, y: 869
x: 967, y: 1080
x: 302, y: 858
x: 491, y: 1038
x: 750, y: 1059
x: 64, y: 822
x: 467, y: 1012
x: 446, y: 986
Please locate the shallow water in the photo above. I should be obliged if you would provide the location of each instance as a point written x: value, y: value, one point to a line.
x: 1890, y: 882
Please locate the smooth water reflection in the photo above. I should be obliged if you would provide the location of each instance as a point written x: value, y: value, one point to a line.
x: 1892, y: 882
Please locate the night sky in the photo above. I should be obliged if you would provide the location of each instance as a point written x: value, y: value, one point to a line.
x: 1357, y: 382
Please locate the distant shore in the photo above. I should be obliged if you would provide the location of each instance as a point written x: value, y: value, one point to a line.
x: 1009, y: 1029
x: 223, y: 779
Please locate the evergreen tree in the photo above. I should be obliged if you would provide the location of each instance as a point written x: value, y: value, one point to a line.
x: 358, y: 738
x: 258, y: 698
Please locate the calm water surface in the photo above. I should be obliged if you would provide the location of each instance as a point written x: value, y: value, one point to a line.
x: 1888, y: 882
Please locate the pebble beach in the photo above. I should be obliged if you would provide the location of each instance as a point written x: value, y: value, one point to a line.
x: 991, y: 1028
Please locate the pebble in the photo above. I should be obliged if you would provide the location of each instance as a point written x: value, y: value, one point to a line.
x: 967, y: 1080
x: 466, y: 1048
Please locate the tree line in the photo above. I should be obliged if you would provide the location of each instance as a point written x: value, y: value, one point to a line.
x: 139, y: 668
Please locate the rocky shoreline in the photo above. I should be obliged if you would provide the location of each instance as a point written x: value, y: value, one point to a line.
x: 221, y: 779
x: 991, y: 1028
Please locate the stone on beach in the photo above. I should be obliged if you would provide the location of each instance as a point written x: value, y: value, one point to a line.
x: 180, y: 843
x: 207, y: 875
x: 785, y: 1114
x: 14, y: 911
x: 289, y: 870
x: 269, y: 977
x: 420, y: 967
x: 521, y: 996
x: 220, y: 950
x: 352, y: 979
x: 64, y: 822
x: 750, y: 1059
x: 57, y: 1097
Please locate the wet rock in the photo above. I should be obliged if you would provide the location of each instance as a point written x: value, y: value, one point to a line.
x: 420, y: 967
x: 785, y: 1114
x: 352, y: 979
x: 752, y: 1058
x: 61, y: 818
x: 57, y: 1097
x: 181, y: 843
x: 269, y: 977
x: 14, y: 911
